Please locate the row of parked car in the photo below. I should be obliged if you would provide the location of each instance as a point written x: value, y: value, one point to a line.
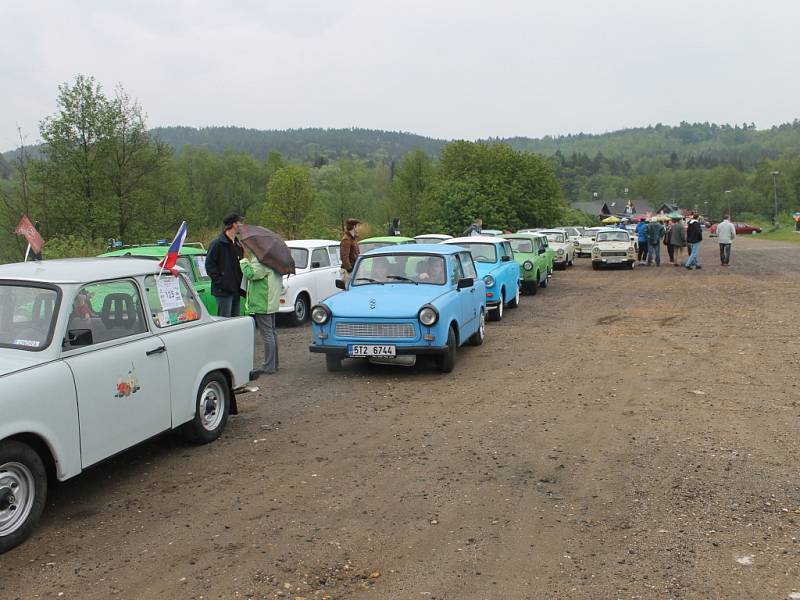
x: 97, y: 355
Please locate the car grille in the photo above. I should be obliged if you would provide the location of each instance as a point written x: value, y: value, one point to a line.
x: 614, y: 253
x: 375, y: 330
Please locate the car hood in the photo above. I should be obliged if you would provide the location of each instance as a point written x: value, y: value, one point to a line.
x: 18, y: 360
x: 559, y: 245
x: 485, y: 269
x: 614, y: 245
x: 390, y: 300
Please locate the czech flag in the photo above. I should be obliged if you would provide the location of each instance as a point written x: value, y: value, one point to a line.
x: 168, y: 262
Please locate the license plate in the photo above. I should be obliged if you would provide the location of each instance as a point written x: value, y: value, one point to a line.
x: 366, y: 351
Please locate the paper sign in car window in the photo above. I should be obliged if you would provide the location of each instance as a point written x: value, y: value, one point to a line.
x: 200, y: 263
x: 169, y: 293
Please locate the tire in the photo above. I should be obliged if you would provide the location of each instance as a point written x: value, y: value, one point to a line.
x: 478, y: 337
x: 571, y: 261
x: 544, y: 283
x: 212, y: 407
x: 632, y: 265
x: 23, y: 492
x: 333, y: 363
x: 497, y: 315
x: 447, y: 361
x: 595, y: 266
x: 533, y: 286
x: 300, y: 314
x: 515, y: 302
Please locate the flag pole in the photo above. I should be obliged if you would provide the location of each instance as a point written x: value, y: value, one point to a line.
x: 27, y: 253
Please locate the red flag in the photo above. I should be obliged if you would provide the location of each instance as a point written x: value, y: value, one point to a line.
x: 26, y: 228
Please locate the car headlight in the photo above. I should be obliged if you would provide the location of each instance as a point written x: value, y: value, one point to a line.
x: 320, y: 314
x: 489, y: 281
x: 561, y: 252
x: 428, y: 315
x: 631, y: 249
x: 527, y: 265
x: 595, y: 250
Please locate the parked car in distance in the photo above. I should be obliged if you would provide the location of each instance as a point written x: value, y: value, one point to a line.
x: 613, y: 246
x: 563, y: 248
x: 192, y: 259
x: 432, y: 238
x: 97, y: 355
x: 494, y: 260
x: 586, y: 241
x: 317, y: 267
x: 530, y: 253
x: 741, y: 229
x: 403, y: 301
x: 379, y: 242
x: 492, y: 232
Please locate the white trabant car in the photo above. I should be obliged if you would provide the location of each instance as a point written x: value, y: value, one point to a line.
x: 586, y: 241
x: 613, y: 246
x: 97, y: 355
x: 318, y: 266
x: 564, y: 249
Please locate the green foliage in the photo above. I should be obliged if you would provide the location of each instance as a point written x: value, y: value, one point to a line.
x: 69, y: 246
x: 408, y: 193
x: 290, y: 207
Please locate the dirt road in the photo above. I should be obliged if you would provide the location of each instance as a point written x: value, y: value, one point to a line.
x: 623, y: 434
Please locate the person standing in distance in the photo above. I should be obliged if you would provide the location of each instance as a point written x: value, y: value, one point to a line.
x: 655, y: 231
x: 264, y: 287
x: 475, y: 229
x: 726, y: 233
x: 348, y: 249
x: 222, y: 266
x: 641, y: 233
x: 694, y: 235
x: 677, y: 237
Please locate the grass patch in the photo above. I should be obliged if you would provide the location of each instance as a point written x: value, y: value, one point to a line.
x: 782, y: 234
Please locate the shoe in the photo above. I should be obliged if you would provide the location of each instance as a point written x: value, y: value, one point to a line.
x: 688, y: 267
x: 698, y: 267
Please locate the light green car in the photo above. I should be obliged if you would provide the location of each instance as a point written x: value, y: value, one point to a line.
x: 534, y: 257
x: 386, y: 240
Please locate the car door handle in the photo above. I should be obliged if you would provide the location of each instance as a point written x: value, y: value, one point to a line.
x: 158, y: 350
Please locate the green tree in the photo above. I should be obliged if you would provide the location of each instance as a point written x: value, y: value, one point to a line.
x: 407, y: 193
x: 290, y: 207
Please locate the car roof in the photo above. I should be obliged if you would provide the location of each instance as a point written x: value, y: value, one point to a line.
x: 397, y: 239
x: 438, y: 236
x: 551, y: 231
x: 154, y: 250
x: 77, y: 270
x: 475, y: 239
x: 413, y: 249
x: 523, y: 235
x: 311, y: 243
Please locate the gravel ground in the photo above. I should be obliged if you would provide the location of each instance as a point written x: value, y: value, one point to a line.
x: 623, y: 434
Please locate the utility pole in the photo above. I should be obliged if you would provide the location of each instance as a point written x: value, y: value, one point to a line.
x: 775, y: 191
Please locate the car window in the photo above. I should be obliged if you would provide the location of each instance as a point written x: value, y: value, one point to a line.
x: 468, y: 266
x: 556, y: 237
x: 400, y: 268
x: 200, y: 265
x: 300, y: 256
x: 109, y: 310
x: 334, y: 254
x: 482, y: 253
x: 171, y: 301
x: 613, y: 236
x: 520, y: 245
x: 186, y: 265
x: 458, y: 270
x: 27, y: 316
x: 321, y: 256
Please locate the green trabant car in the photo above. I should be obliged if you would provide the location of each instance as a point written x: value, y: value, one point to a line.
x: 534, y: 257
x: 192, y: 260
x: 379, y: 242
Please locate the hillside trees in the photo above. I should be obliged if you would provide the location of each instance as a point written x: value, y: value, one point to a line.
x: 290, y: 207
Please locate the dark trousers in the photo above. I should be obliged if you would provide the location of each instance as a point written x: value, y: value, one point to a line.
x: 228, y: 306
x: 725, y: 254
x: 266, y: 325
x: 642, y: 254
x: 671, y: 252
x: 654, y: 255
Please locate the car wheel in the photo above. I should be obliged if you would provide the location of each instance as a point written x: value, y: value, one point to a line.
x: 478, y: 337
x: 23, y: 491
x: 753, y: 232
x: 333, y: 363
x: 533, y: 286
x: 497, y: 314
x: 543, y: 283
x: 632, y: 264
x: 595, y: 266
x: 447, y: 361
x: 515, y: 302
x: 212, y: 407
x: 300, y: 314
x: 571, y: 261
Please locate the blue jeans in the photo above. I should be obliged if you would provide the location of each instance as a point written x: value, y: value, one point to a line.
x: 693, y: 250
x: 654, y: 253
x: 228, y: 306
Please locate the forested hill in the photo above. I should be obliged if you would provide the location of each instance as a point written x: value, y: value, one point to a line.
x: 302, y: 144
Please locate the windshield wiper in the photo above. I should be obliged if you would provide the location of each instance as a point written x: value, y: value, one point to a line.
x: 401, y: 278
x: 369, y: 280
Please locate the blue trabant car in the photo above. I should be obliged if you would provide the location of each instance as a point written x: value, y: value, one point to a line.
x: 403, y: 301
x: 494, y: 260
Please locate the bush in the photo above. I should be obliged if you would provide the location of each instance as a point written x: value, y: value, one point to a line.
x: 70, y: 246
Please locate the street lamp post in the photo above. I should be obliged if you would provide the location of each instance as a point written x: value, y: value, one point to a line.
x: 775, y: 191
x: 728, y: 196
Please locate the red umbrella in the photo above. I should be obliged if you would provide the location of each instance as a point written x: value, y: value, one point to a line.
x: 268, y: 247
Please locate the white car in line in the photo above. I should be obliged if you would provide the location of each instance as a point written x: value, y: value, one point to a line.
x: 96, y: 356
x: 563, y: 248
x: 318, y: 266
x: 613, y: 246
x: 586, y: 241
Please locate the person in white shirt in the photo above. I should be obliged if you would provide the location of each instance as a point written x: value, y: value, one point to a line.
x: 726, y: 232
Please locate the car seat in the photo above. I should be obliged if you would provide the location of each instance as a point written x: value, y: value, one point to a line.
x: 119, y: 312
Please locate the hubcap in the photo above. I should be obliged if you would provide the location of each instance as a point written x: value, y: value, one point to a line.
x: 483, y: 326
x: 212, y: 406
x: 300, y: 309
x: 16, y: 496
x: 500, y: 307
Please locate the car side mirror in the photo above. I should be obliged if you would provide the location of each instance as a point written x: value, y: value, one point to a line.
x: 79, y: 337
x: 542, y: 250
x: 505, y: 258
x: 466, y: 282
x: 340, y: 284
x: 315, y: 265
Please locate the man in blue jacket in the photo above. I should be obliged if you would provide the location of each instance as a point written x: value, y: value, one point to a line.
x: 641, y: 232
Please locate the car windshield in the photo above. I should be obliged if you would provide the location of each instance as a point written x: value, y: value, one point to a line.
x: 613, y: 236
x: 559, y: 238
x: 482, y: 253
x: 524, y: 246
x: 300, y: 257
x: 400, y: 268
x: 366, y: 247
x: 572, y: 231
x: 428, y: 240
x: 27, y: 316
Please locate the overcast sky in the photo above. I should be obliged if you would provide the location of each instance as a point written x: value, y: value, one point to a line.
x: 443, y: 68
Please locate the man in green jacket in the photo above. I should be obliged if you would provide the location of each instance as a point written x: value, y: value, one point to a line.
x: 264, y: 287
